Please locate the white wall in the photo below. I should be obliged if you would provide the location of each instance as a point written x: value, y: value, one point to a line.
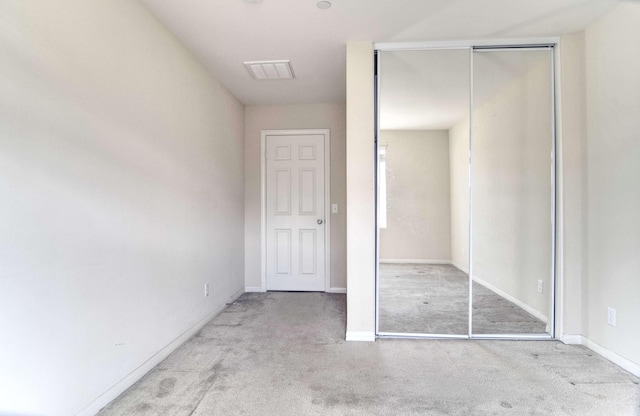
x: 121, y: 175
x: 613, y: 175
x: 299, y: 116
x: 360, y: 193
x: 459, y: 163
x: 418, y: 196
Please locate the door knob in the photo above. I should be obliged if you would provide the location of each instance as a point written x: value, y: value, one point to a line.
x: 319, y: 222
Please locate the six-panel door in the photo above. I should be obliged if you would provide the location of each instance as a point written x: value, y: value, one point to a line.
x: 295, y: 217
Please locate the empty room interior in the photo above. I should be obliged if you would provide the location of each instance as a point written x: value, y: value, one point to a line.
x: 283, y: 207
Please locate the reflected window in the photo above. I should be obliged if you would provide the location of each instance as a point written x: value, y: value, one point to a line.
x: 382, y: 187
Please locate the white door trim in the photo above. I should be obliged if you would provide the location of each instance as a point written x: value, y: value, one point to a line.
x: 263, y: 199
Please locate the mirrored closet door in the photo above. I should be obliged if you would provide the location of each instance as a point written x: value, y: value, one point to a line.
x: 423, y: 186
x: 465, y: 195
x: 511, y: 191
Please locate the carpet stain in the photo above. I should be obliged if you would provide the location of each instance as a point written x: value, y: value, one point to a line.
x: 166, y: 387
x: 217, y: 367
x: 506, y: 405
x: 348, y: 399
x: 217, y: 373
x: 142, y: 407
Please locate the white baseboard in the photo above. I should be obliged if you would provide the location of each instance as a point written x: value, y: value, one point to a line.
x: 414, y: 261
x: 615, y: 358
x: 360, y: 336
x: 571, y: 339
x: 512, y: 299
x: 117, y: 389
x: 258, y: 289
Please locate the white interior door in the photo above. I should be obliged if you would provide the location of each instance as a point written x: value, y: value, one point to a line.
x: 295, y: 212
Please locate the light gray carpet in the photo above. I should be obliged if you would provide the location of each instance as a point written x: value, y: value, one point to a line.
x: 434, y: 299
x: 284, y: 354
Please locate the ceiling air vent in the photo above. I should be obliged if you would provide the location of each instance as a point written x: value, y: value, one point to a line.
x: 266, y: 70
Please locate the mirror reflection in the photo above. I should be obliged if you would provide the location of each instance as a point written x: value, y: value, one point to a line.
x: 512, y: 206
x: 423, y: 157
x: 450, y: 204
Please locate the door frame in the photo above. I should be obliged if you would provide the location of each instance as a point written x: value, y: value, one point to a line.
x: 327, y: 199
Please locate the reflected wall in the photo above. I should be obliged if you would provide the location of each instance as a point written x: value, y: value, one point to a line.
x: 511, y: 171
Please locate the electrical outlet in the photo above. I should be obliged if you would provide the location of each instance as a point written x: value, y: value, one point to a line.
x: 540, y: 286
x: 334, y: 208
x: 206, y: 290
x: 611, y: 316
